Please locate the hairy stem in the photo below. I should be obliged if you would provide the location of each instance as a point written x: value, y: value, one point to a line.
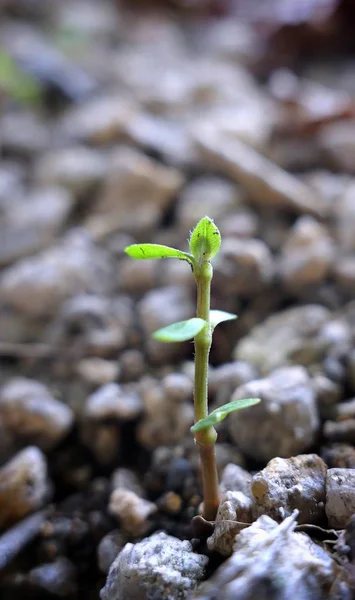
x: 206, y: 438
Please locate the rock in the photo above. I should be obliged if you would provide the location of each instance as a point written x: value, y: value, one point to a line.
x: 23, y: 133
x: 31, y: 414
x: 159, y: 566
x: 340, y: 456
x: 307, y: 254
x: 258, y: 569
x: 137, y: 191
x: 12, y: 176
x: 285, y: 423
x: 243, y: 266
x: 288, y: 484
x: 15, y: 539
x: 265, y: 182
x: 110, y: 545
x: 234, y: 514
x: 24, y: 486
x: 57, y: 578
x: 91, y: 324
x: 126, y: 479
x: 97, y: 371
x: 177, y: 387
x: 79, y: 169
x: 345, y: 218
x: 340, y: 498
x: 229, y: 38
x: 100, y: 120
x: 132, y: 511
x: 112, y: 401
x: 328, y: 394
x: 236, y: 479
x: 290, y: 336
x: 242, y: 223
x: 32, y: 223
x: 336, y: 140
x: 166, y: 137
x: 340, y: 431
x: 207, y: 195
x: 161, y: 307
x: 226, y: 377
x: 164, y: 422
x: 103, y: 440
x: 132, y: 365
x: 37, y: 286
x: 344, y: 274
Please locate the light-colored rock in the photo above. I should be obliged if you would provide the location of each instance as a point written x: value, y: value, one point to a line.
x: 272, y: 561
x: 92, y: 324
x: 226, y: 377
x: 137, y: 191
x: 234, y: 513
x: 132, y: 511
x: 77, y: 168
x: 12, y: 176
x: 243, y: 266
x: 97, y: 371
x: 207, y: 195
x: 292, y: 483
x: 284, y: 423
x: 113, y: 401
x: 24, y: 486
x: 178, y: 387
x: 236, y: 479
x: 126, y: 479
x: 23, y: 133
x: 307, y: 254
x: 345, y: 218
x: 31, y: 414
x: 336, y: 140
x: 290, y: 336
x: 31, y: 223
x: 110, y: 545
x: 265, y: 182
x: 340, y: 497
x: 99, y: 121
x: 36, y: 286
x: 164, y: 422
x: 161, y: 307
x: 159, y: 566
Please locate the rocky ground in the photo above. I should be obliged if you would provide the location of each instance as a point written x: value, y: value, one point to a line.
x: 124, y: 125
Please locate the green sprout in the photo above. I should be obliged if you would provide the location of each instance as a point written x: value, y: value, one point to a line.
x: 205, y: 241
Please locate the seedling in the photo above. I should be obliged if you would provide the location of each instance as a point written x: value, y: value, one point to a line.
x: 205, y: 241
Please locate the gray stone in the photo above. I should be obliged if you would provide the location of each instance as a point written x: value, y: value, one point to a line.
x: 37, y: 286
x: 340, y: 498
x: 337, y: 141
x: 290, y: 336
x: 272, y: 561
x: 30, y: 413
x: 284, y: 423
x: 234, y: 514
x: 236, y: 479
x: 32, y: 222
x: 126, y: 479
x: 243, y: 267
x: 137, y: 190
x: 159, y: 566
x: 110, y: 545
x: 265, y: 182
x: 79, y: 169
x: 161, y: 307
x: 24, y: 486
x: 132, y: 511
x: 307, y: 254
x: 212, y: 196
x: 113, y: 401
x: 292, y: 483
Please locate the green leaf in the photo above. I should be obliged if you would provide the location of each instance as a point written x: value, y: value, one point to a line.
x: 218, y: 316
x: 205, y: 240
x: 181, y: 331
x: 153, y: 251
x: 222, y: 412
x: 16, y: 83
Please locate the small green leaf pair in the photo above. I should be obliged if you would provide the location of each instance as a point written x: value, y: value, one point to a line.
x: 205, y: 241
x: 218, y: 415
x: 187, y: 330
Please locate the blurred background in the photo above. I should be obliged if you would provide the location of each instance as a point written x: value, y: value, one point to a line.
x: 123, y: 122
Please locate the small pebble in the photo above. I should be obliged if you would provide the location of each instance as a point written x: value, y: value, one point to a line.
x: 340, y: 497
x: 132, y: 511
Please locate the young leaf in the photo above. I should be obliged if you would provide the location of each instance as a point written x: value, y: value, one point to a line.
x: 218, y: 316
x: 205, y: 240
x: 181, y: 331
x: 216, y: 416
x: 152, y: 251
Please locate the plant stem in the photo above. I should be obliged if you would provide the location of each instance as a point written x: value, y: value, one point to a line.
x: 206, y: 438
